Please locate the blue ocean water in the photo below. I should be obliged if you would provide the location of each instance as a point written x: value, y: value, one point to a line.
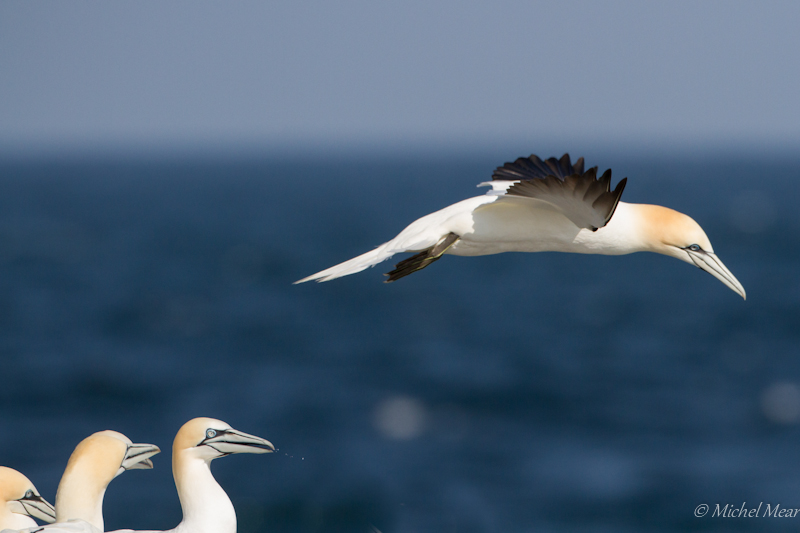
x: 517, y: 392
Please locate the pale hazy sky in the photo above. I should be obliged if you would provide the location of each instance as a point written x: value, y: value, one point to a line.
x: 90, y: 75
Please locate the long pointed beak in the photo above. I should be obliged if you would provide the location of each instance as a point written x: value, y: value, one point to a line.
x: 138, y: 456
x: 39, y: 508
x: 711, y: 264
x: 233, y: 441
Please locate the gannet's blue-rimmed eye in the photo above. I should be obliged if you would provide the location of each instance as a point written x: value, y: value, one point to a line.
x: 694, y: 248
x: 210, y: 433
x: 29, y: 494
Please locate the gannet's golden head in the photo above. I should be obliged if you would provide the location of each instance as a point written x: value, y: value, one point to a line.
x: 669, y: 232
x: 207, y: 439
x: 19, y: 496
x: 97, y: 460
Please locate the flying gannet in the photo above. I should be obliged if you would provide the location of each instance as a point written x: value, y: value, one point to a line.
x: 19, y: 501
x: 544, y: 206
x: 206, y: 506
x: 97, y: 460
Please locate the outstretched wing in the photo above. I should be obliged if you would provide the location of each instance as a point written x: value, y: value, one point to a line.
x: 585, y: 199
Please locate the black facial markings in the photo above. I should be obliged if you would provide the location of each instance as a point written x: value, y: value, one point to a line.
x: 138, y: 453
x: 212, y: 434
x: 712, y: 265
x: 30, y: 496
x: 221, y: 453
x: 716, y: 269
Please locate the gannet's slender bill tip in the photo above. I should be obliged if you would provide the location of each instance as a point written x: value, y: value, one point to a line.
x: 709, y: 262
x: 138, y: 456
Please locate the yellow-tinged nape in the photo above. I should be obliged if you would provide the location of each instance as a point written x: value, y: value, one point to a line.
x: 193, y: 432
x: 664, y: 230
x: 13, y: 485
x: 91, y: 467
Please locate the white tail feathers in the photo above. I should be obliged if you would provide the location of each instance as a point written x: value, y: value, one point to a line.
x: 352, y: 266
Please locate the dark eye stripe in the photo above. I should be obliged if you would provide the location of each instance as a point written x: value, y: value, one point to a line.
x: 212, y: 433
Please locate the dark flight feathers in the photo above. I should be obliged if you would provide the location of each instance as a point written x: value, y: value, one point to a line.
x: 530, y: 168
x: 583, y: 198
x: 422, y: 259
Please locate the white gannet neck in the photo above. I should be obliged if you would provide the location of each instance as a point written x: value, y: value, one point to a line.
x: 80, y: 497
x: 625, y: 233
x: 91, y: 467
x: 206, y: 506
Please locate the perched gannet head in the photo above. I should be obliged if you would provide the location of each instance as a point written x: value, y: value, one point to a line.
x: 672, y: 233
x: 205, y: 505
x: 20, y: 497
x: 97, y: 460
x: 207, y: 439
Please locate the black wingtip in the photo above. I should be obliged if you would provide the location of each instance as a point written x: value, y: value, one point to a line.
x: 565, y: 163
x: 578, y: 166
x: 620, y: 186
x: 422, y: 259
x: 617, y: 194
x: 605, y: 180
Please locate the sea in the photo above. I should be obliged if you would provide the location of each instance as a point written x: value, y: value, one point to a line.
x: 510, y: 393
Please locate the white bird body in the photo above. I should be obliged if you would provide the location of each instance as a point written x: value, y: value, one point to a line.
x: 206, y: 507
x: 548, y: 206
x: 96, y: 461
x: 19, y: 501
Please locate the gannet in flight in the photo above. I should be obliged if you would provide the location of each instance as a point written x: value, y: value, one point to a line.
x: 19, y: 501
x: 97, y: 460
x: 206, y: 506
x: 544, y: 206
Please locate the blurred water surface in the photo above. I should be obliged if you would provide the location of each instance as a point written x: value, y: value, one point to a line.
x: 518, y: 392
